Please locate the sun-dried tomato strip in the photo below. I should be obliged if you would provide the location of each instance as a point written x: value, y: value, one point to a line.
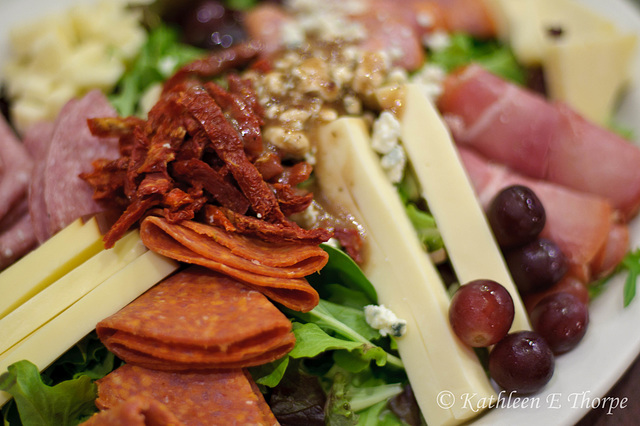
x: 113, y: 126
x: 225, y: 193
x: 296, y: 174
x: 229, y: 147
x: 243, y: 87
x: 290, y: 200
x: 131, y: 215
x: 273, y: 232
x: 215, y: 63
x: 247, y: 121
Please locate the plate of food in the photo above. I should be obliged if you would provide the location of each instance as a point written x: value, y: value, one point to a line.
x: 338, y: 213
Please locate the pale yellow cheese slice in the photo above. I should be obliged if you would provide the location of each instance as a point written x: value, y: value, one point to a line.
x: 350, y: 175
x: 61, y: 253
x: 445, y: 186
x: 589, y: 74
x: 526, y: 24
x: 62, y: 332
x: 58, y: 296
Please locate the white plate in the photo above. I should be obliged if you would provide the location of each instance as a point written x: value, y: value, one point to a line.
x: 613, y: 339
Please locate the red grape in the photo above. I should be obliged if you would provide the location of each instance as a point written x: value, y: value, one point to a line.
x: 516, y: 216
x: 536, y: 266
x: 522, y: 362
x: 481, y: 313
x: 561, y: 319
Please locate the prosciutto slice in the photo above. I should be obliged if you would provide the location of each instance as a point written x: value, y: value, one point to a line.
x: 584, y: 226
x: 542, y: 140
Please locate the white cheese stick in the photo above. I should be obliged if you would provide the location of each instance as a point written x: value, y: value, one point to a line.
x: 54, y: 338
x: 449, y: 193
x: 61, y: 253
x: 58, y: 296
x: 350, y: 175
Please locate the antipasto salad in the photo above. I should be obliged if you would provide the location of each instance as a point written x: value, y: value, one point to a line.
x: 306, y: 212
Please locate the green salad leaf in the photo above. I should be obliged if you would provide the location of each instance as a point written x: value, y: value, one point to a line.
x: 160, y: 56
x: 493, y: 55
x: 67, y: 403
x: 631, y: 264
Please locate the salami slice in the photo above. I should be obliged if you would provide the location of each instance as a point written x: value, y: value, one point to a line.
x: 73, y: 148
x: 135, y: 411
x: 16, y: 235
x: 37, y: 140
x: 198, y: 319
x: 15, y: 168
x: 275, y: 269
x: 228, y: 397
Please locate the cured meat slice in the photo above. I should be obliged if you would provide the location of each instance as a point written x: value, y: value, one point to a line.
x: 135, y: 411
x: 216, y: 398
x: 583, y: 225
x: 542, y: 140
x: 275, y: 269
x: 198, y: 319
x: 16, y: 235
x: 72, y: 150
x: 15, y: 168
x: 37, y: 140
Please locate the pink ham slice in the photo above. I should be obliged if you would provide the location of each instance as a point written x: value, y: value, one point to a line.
x: 65, y: 197
x: 583, y: 225
x: 543, y: 140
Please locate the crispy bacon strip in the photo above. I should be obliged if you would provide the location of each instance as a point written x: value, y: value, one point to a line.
x: 197, y: 398
x: 198, y: 319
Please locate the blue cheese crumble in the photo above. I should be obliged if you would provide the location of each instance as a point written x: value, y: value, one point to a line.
x: 384, y: 320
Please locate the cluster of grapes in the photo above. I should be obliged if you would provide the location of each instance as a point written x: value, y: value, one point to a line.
x: 482, y: 311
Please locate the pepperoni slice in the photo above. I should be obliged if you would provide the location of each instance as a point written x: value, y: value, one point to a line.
x: 196, y: 398
x: 135, y: 411
x: 198, y: 319
x: 275, y: 269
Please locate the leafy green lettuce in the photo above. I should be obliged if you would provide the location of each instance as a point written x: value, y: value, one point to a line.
x: 159, y: 58
x: 357, y: 367
x: 493, y: 55
x: 64, y: 393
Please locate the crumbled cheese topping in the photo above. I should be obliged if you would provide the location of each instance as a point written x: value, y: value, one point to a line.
x: 385, y: 140
x: 384, y: 320
x: 437, y: 40
x: 430, y: 77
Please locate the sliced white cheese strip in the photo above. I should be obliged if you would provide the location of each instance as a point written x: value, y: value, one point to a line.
x: 58, y: 296
x: 61, y: 253
x: 350, y: 175
x: 445, y: 186
x: 62, y: 332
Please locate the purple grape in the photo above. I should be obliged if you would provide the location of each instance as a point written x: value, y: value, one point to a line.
x: 208, y: 24
x: 562, y: 320
x: 516, y: 216
x: 522, y: 362
x: 536, y: 266
x: 481, y: 313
